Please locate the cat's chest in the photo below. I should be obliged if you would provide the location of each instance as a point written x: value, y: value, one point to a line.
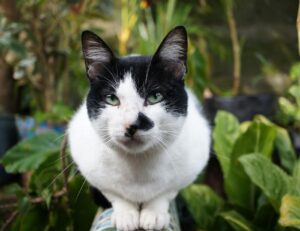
x: 132, y: 169
x: 133, y: 177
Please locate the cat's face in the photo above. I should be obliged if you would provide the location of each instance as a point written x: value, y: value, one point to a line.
x: 136, y: 103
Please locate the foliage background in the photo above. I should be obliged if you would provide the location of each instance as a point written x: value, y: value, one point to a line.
x: 42, y: 75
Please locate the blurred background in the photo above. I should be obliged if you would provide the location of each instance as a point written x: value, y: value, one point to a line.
x: 235, y: 47
x: 242, y: 58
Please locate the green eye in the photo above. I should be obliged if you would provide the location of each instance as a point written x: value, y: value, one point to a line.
x: 154, y: 98
x: 112, y: 100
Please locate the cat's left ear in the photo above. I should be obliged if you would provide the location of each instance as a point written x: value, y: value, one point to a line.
x: 97, y: 55
x: 172, y: 52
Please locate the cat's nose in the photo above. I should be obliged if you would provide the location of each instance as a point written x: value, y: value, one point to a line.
x: 142, y: 122
x: 131, y: 131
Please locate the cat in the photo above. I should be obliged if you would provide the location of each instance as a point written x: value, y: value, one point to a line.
x: 139, y: 137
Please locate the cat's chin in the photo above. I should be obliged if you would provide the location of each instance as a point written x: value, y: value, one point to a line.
x: 132, y: 145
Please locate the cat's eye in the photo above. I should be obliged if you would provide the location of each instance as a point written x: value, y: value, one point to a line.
x: 112, y: 100
x: 154, y: 98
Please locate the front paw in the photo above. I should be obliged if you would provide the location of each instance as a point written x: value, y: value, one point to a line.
x: 153, y: 220
x: 125, y: 220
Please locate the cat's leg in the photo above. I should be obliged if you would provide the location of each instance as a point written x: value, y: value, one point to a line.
x: 125, y: 215
x: 155, y: 213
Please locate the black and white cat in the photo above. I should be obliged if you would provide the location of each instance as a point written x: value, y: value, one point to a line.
x: 139, y: 137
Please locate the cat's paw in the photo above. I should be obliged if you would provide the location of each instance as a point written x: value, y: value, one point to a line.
x: 125, y: 220
x: 152, y: 220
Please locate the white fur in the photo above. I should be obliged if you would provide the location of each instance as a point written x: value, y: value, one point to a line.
x: 169, y: 158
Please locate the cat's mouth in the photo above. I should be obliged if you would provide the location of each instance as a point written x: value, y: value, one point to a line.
x: 132, y: 142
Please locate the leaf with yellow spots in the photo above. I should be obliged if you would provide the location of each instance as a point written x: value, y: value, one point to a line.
x: 290, y: 211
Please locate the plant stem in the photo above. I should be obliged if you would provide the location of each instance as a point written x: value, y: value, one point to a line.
x: 9, y: 221
x: 235, y: 49
x: 35, y: 200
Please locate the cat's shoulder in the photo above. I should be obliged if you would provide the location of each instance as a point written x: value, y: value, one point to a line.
x: 80, y: 125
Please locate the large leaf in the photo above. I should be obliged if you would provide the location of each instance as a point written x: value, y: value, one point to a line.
x: 203, y: 203
x: 268, y: 177
x: 285, y: 148
x: 237, y: 221
x: 47, y: 179
x: 225, y: 134
x: 258, y: 138
x: 290, y: 211
x: 29, y: 154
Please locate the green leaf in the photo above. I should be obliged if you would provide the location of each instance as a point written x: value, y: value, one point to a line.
x: 59, y: 217
x: 225, y: 134
x: 295, y: 71
x: 268, y: 177
x: 14, y: 189
x: 295, y: 92
x: 265, y: 216
x: 83, y: 208
x: 285, y: 148
x: 203, y: 203
x: 258, y: 138
x: 47, y: 177
x: 35, y: 219
x: 295, y: 187
x: 29, y: 154
x: 237, y: 221
x: 290, y: 211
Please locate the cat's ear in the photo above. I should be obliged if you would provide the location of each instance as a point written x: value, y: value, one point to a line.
x: 97, y: 55
x: 172, y: 52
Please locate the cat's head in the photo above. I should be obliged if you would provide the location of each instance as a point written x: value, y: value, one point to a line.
x: 136, y: 103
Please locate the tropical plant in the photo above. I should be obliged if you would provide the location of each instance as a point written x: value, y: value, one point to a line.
x: 260, y: 195
x: 53, y: 197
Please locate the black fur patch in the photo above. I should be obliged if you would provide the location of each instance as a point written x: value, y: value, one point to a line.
x: 150, y: 74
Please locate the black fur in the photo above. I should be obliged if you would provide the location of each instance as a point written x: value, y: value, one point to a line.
x: 150, y: 74
x: 142, y: 123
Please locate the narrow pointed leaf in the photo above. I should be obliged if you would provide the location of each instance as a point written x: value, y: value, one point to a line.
x: 237, y: 221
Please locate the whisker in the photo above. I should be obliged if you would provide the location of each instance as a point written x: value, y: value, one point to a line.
x: 55, y: 178
x: 77, y: 196
x: 59, y: 137
x: 162, y: 144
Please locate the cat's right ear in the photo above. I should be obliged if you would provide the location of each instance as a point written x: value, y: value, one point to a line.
x: 97, y: 55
